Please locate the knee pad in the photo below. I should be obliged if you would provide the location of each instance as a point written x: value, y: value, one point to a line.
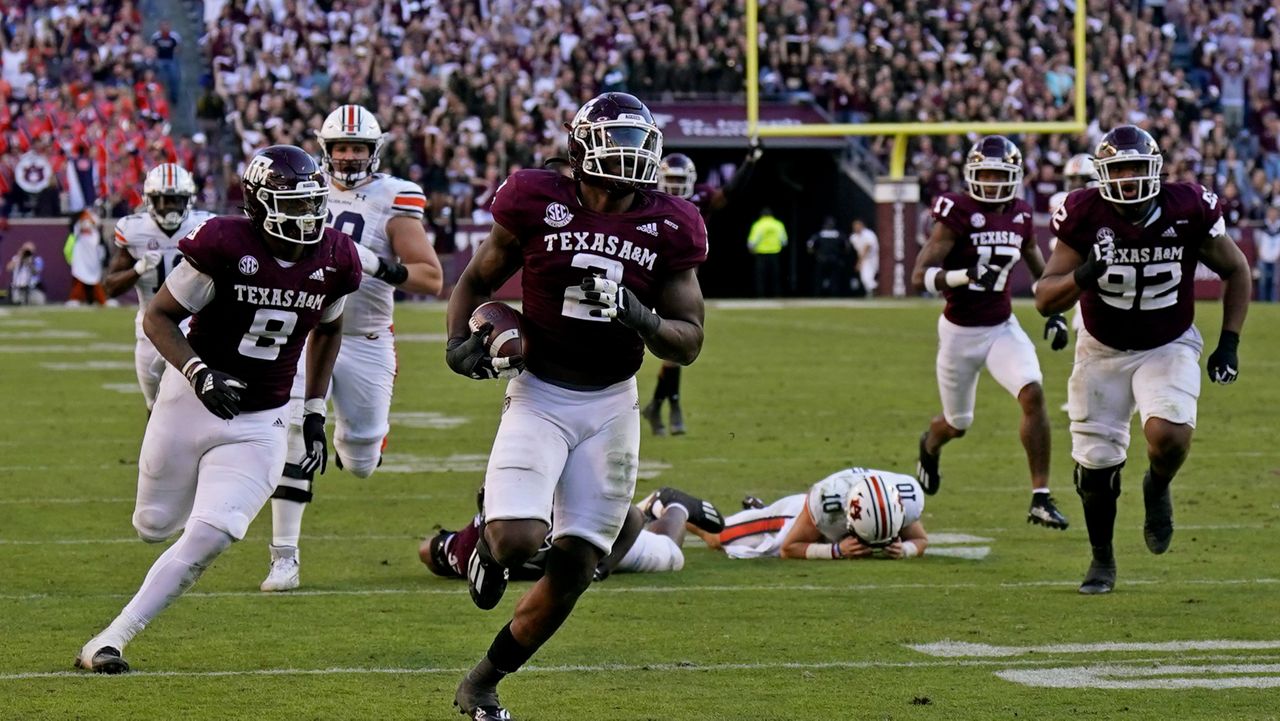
x: 359, y: 457
x: 294, y: 485
x: 156, y: 525
x: 1098, y: 482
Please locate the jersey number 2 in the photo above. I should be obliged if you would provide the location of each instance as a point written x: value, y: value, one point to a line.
x: 269, y: 330
x: 593, y: 265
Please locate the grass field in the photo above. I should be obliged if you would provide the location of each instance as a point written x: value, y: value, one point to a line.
x: 780, y: 398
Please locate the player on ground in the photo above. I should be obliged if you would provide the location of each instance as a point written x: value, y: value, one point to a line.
x: 646, y: 544
x: 977, y: 239
x: 147, y: 251
x: 678, y: 176
x: 609, y: 268
x: 853, y: 513
x: 1129, y: 250
x: 256, y: 288
x: 383, y: 215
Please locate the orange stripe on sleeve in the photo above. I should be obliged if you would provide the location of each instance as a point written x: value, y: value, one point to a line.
x: 410, y: 200
x: 751, y: 528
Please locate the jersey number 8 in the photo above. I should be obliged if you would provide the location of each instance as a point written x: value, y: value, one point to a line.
x: 270, y: 329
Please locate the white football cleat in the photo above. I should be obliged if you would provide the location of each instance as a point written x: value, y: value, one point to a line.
x: 284, y: 569
x: 101, y: 657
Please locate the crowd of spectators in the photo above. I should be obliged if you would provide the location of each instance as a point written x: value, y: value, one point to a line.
x: 82, y: 114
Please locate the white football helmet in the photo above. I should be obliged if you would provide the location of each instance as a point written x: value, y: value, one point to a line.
x: 875, y: 512
x: 1080, y: 173
x: 350, y: 124
x: 168, y: 189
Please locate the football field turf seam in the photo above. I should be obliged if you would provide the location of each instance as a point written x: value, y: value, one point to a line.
x: 684, y: 666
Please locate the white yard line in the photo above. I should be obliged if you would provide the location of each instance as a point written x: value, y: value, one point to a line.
x: 89, y: 365
x: 83, y: 349
x: 961, y: 649
x: 682, y: 666
x: 1160, y: 676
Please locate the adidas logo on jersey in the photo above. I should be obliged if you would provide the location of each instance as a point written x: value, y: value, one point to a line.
x: 650, y: 228
x: 1169, y: 233
x: 318, y: 275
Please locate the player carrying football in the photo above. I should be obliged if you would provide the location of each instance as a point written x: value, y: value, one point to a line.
x: 383, y: 215
x: 256, y: 288
x: 1128, y: 251
x: 147, y: 251
x: 609, y: 269
x: 977, y: 238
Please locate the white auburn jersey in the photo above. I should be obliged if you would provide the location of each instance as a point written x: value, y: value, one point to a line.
x: 828, y: 499
x: 139, y: 234
x: 363, y: 212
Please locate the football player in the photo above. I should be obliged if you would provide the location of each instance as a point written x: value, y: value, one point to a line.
x: 976, y: 240
x: 256, y: 288
x: 609, y: 268
x: 147, y: 251
x: 678, y: 176
x: 1128, y: 252
x: 851, y: 514
x: 647, y: 543
x: 383, y: 215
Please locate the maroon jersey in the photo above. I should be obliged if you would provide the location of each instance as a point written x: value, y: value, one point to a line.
x: 261, y: 311
x: 1147, y: 296
x: 702, y: 197
x: 565, y: 242
x: 985, y: 233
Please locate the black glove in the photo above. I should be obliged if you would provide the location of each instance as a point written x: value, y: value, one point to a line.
x: 313, y: 439
x: 1055, y: 331
x: 985, y: 275
x: 469, y: 357
x: 754, y: 150
x: 611, y: 300
x: 391, y: 272
x: 1100, y: 256
x: 1224, y: 363
x: 216, y: 390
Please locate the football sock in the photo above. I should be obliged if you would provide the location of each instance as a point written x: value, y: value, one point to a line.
x: 1099, y: 488
x: 1034, y: 491
x: 170, y: 576
x: 286, y: 521
x: 506, y: 655
x: 671, y: 522
x: 1157, y: 480
x: 673, y: 383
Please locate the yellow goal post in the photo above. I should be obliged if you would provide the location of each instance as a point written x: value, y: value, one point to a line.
x: 900, y: 132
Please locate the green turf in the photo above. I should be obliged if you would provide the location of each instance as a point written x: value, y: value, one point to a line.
x: 779, y: 399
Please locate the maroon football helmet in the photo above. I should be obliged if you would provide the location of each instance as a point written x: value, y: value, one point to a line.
x: 286, y: 195
x: 677, y: 175
x: 614, y: 143
x: 1128, y: 162
x: 993, y: 153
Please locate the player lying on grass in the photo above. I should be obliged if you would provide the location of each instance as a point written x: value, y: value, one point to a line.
x: 645, y: 544
x: 853, y: 513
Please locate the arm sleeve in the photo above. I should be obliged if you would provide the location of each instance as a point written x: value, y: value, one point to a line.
x: 331, y: 312
x: 691, y: 251
x: 506, y: 208
x: 191, y: 288
x: 408, y: 201
x: 120, y: 240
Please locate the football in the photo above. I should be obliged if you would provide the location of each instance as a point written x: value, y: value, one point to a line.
x: 506, y: 339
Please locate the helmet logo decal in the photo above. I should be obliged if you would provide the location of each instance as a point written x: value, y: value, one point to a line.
x: 258, y: 170
x: 855, y: 508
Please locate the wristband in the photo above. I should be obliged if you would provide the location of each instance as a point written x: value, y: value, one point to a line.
x: 956, y: 278
x: 821, y: 551
x: 313, y: 405
x: 931, y: 279
x: 193, y: 366
x: 909, y: 550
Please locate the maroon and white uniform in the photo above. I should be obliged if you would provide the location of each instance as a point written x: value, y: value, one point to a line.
x: 977, y: 329
x: 578, y: 449
x: 1140, y: 349
x: 251, y: 315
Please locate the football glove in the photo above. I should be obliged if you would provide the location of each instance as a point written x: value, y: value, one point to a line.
x: 388, y: 271
x: 1055, y: 331
x: 1224, y: 363
x: 315, y: 443
x: 469, y: 357
x: 218, y: 391
x: 754, y: 151
x: 1100, y: 256
x: 149, y: 260
x: 608, y: 299
x: 984, y: 275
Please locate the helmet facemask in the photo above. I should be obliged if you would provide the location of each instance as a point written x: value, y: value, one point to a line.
x: 678, y: 181
x: 169, y: 210
x: 1001, y: 190
x: 1129, y: 177
x: 297, y: 215
x: 350, y: 171
x: 624, y: 153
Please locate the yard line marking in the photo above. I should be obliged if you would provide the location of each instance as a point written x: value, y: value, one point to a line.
x: 85, y: 349
x: 89, y: 365
x: 575, y: 668
x: 23, y: 323
x: 1159, y: 676
x: 720, y: 588
x: 52, y: 334
x: 130, y: 388
x: 421, y: 337
x: 969, y: 553
x: 959, y: 649
x: 943, y: 539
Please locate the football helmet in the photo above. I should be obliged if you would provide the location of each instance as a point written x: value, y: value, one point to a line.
x: 168, y: 189
x: 677, y: 175
x: 1080, y: 173
x: 1128, y: 159
x: 993, y: 153
x: 286, y: 195
x: 614, y: 143
x: 350, y: 124
x: 875, y: 512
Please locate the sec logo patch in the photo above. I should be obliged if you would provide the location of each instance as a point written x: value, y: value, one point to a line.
x: 977, y: 220
x: 248, y: 265
x: 558, y: 216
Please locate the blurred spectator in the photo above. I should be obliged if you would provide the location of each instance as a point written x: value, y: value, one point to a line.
x: 86, y: 255
x: 830, y: 259
x: 24, y: 270
x: 168, y: 44
x: 766, y: 240
x: 867, y: 247
x: 1268, y: 239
